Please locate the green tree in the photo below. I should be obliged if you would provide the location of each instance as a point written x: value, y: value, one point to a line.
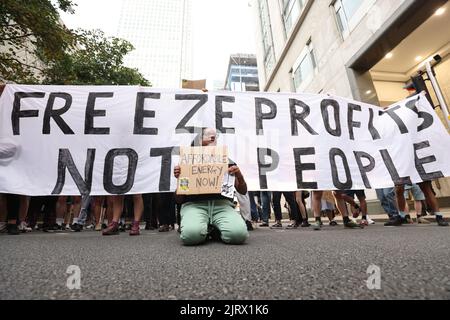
x: 95, y: 60
x: 30, y: 31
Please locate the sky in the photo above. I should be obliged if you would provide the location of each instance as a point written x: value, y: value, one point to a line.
x: 220, y: 28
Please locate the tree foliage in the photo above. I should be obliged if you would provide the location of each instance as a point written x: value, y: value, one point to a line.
x: 96, y: 60
x: 30, y: 30
x: 36, y: 47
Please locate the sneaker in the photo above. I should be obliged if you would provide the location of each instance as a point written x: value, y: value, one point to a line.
x: 422, y: 220
x: 317, y: 225
x: 394, y: 222
x: 98, y: 227
x: 277, y: 225
x: 364, y: 223
x: 13, y: 229
x: 333, y: 223
x: 112, y: 229
x: 441, y: 222
x: 305, y: 224
x: 76, y: 227
x: 264, y: 224
x: 352, y: 225
x: 135, y: 228
x: 293, y: 225
x: 248, y: 224
x: 121, y: 227
x: 91, y: 226
x: 23, y: 227
x: 370, y: 221
x: 104, y: 226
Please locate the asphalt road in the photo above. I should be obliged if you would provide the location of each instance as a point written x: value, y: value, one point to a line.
x: 292, y: 264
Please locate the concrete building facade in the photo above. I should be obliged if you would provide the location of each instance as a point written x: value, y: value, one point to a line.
x: 242, y: 73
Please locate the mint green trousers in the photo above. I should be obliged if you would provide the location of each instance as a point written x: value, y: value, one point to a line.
x: 195, y: 217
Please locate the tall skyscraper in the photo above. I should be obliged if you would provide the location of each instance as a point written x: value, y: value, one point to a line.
x: 161, y: 32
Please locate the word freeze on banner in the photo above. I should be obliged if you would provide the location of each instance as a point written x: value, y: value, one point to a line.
x: 102, y: 140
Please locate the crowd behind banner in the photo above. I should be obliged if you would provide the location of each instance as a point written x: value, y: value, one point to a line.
x: 69, y: 162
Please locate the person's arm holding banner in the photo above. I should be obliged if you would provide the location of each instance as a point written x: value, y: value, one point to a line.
x: 239, y: 183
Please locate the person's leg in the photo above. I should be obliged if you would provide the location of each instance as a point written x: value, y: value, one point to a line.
x: 138, y: 206
x: 430, y: 197
x: 230, y: 224
x: 401, y: 201
x: 3, y: 223
x: 265, y: 199
x: 253, y: 209
x: 294, y: 209
x: 167, y: 211
x: 61, y: 206
x: 194, y: 222
x: 97, y: 211
x: 276, y: 198
x: 316, y: 205
x: 302, y: 208
x: 117, y: 208
x: 244, y: 209
x: 12, y: 215
x: 342, y: 207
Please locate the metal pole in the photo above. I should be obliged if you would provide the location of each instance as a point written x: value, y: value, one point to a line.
x: 438, y: 92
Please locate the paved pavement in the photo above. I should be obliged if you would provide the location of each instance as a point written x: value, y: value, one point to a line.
x: 285, y: 264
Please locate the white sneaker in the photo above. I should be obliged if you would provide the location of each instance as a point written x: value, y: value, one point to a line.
x: 23, y: 227
x: 370, y: 221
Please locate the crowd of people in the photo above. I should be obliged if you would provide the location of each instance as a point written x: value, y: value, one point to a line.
x: 201, y: 216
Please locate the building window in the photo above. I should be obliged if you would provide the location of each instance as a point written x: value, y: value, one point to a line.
x: 349, y: 13
x: 304, y: 68
x: 291, y: 11
x: 266, y: 33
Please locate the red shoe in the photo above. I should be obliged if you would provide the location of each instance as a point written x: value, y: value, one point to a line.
x: 134, y: 231
x: 112, y: 229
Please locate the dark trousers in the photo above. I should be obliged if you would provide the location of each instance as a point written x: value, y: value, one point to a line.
x: 151, y: 206
x: 290, y: 199
x: 166, y: 214
x: 45, y: 203
x: 12, y: 205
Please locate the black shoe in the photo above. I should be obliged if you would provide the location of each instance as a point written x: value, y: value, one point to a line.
x: 149, y: 226
x: 12, y: 229
x: 121, y: 227
x: 104, y: 226
x: 248, y: 224
x: 213, y: 233
x: 264, y: 224
x: 277, y: 225
x: 394, y: 222
x: 76, y: 227
x: 407, y: 220
x: 441, y: 222
x: 51, y: 228
x: 294, y: 225
x: 128, y: 226
x: 333, y: 223
x: 305, y: 224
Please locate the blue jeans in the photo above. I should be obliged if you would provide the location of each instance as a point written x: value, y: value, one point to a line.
x: 265, y: 203
x: 85, y: 200
x: 387, y: 199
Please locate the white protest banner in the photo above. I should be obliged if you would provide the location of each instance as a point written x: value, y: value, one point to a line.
x: 123, y: 139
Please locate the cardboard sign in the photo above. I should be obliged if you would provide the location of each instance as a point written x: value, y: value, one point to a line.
x: 202, y: 170
x: 193, y: 84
